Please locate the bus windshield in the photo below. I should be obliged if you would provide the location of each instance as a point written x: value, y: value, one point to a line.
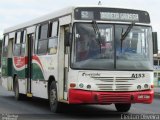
x: 106, y: 50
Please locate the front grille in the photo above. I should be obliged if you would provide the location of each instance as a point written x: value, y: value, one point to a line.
x: 113, y: 83
x: 104, y: 79
x: 118, y: 98
x: 105, y: 87
x: 123, y: 79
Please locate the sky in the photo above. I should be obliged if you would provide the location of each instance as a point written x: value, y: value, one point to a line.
x: 13, y: 12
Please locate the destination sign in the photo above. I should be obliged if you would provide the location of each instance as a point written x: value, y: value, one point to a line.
x: 119, y: 16
x: 111, y: 14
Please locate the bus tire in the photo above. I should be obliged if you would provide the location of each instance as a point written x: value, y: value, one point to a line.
x: 123, y: 107
x: 18, y: 96
x: 55, y: 106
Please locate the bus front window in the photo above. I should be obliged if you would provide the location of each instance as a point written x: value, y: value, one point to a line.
x: 93, y: 51
x: 134, y: 52
x: 107, y: 50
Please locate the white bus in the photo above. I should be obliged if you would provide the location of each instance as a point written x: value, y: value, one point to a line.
x: 81, y: 55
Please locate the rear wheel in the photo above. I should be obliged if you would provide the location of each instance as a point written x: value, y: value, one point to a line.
x: 123, y: 107
x: 55, y: 106
x: 18, y: 96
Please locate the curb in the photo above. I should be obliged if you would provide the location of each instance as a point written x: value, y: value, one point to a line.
x: 157, y: 95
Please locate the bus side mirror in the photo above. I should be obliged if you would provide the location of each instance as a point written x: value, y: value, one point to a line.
x: 67, y: 38
x: 155, y: 45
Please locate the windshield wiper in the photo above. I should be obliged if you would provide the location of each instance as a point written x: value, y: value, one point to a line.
x: 124, y: 35
x: 96, y: 29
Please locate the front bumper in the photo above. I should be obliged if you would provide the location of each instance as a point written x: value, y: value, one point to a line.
x: 77, y: 96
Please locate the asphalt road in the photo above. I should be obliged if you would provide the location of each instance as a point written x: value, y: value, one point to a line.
x: 38, y: 109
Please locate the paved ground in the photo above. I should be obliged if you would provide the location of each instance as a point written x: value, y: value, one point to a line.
x: 38, y: 109
x: 0, y: 81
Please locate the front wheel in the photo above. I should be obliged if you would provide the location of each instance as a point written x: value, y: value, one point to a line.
x: 123, y: 107
x: 55, y: 106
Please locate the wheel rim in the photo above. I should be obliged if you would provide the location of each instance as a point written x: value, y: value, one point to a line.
x: 53, y: 97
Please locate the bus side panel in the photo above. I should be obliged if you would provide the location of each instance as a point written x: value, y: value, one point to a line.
x: 19, y: 67
x: 43, y: 67
x: 7, y: 80
x: 4, y: 66
x: 10, y: 78
x: 10, y: 65
x: 37, y: 69
x: 39, y: 83
x: 4, y: 82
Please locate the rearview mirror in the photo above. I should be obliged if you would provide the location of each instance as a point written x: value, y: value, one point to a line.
x: 155, y: 45
x: 67, y: 38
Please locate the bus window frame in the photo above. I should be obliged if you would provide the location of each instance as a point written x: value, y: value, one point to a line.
x: 55, y: 38
x: 114, y: 24
x: 23, y: 34
x: 49, y: 36
x: 44, y: 39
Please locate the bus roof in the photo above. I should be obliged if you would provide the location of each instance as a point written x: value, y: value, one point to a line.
x: 56, y: 14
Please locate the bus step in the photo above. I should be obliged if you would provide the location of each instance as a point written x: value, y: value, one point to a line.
x: 29, y: 94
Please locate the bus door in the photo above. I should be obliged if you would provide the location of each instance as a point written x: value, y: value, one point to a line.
x: 63, y: 57
x: 29, y: 61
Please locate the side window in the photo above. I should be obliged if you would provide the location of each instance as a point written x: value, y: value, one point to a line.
x: 42, y: 47
x: 19, y: 47
x: 6, y: 41
x: 23, y: 42
x: 53, y: 40
x: 54, y: 29
x: 18, y: 37
x: 43, y: 39
x: 23, y: 36
x: 36, y: 40
x: 43, y: 31
x: 5, y: 45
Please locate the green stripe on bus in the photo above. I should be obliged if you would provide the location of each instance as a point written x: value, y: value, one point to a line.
x: 37, y: 72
